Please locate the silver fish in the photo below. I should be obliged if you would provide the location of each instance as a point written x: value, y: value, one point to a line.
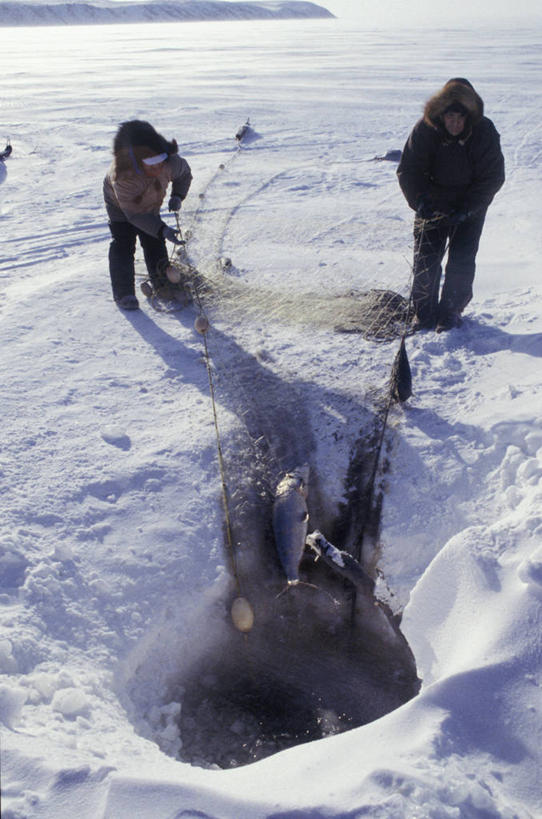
x: 290, y: 520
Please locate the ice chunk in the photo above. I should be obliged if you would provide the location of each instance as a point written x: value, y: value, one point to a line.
x: 71, y: 702
x: 12, y: 700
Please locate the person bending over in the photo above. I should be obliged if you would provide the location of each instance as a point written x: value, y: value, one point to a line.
x: 144, y: 164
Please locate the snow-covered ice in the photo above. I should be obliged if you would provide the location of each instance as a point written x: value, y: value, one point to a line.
x: 114, y: 574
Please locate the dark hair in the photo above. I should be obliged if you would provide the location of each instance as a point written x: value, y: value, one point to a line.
x: 139, y: 133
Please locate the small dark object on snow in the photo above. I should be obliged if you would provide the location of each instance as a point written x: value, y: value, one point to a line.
x: 381, y: 316
x: 146, y: 289
x: 166, y: 291
x: 166, y: 296
x: 6, y: 152
x: 401, y: 376
x: 242, y: 131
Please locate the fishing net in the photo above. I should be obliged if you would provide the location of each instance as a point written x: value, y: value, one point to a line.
x: 376, y: 314
x: 271, y: 353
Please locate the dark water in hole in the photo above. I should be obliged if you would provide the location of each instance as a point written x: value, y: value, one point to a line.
x: 246, y: 719
x: 304, y: 672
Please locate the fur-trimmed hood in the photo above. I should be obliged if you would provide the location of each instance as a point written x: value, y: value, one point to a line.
x: 456, y: 90
x: 463, y: 172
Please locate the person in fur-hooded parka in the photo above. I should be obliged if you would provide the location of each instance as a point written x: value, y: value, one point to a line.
x: 450, y: 170
x: 144, y: 164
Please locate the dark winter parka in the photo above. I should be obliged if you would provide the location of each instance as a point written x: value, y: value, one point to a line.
x: 452, y: 173
x: 129, y: 194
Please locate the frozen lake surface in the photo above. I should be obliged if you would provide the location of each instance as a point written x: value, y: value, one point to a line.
x: 115, y: 586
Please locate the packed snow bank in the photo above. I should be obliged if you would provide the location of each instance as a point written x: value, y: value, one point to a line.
x: 78, y: 13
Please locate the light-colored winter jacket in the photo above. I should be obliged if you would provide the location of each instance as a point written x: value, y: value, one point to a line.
x: 131, y: 196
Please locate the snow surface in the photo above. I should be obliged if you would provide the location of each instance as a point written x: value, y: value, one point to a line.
x: 113, y: 568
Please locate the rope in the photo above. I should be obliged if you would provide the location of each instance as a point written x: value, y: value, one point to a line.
x: 224, y: 491
x: 222, y: 167
x: 229, y: 536
x: 391, y: 397
x: 370, y: 496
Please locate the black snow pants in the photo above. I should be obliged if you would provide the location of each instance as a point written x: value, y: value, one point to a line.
x: 122, y: 253
x: 430, y: 239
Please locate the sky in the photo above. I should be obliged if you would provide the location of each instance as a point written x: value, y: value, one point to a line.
x: 425, y: 11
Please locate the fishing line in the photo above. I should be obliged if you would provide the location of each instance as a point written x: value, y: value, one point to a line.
x: 400, y: 373
x: 157, y: 303
x: 229, y: 536
x: 194, y: 287
x: 239, y: 136
x: 394, y: 386
x: 370, y: 495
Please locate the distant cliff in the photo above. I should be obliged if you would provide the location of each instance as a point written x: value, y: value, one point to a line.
x: 156, y: 11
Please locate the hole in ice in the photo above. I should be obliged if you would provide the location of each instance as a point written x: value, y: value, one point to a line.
x: 288, y: 682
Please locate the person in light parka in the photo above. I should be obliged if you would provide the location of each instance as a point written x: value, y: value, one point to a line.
x: 144, y: 165
x: 450, y: 169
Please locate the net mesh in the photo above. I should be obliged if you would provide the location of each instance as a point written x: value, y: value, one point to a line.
x: 376, y: 314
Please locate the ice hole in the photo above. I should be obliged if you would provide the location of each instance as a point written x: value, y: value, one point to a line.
x: 314, y: 664
x: 287, y: 684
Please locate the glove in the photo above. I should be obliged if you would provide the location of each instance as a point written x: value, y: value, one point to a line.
x: 425, y: 209
x: 457, y: 217
x: 171, y: 235
x: 174, y: 203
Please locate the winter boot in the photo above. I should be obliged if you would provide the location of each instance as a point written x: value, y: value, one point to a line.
x: 128, y: 303
x: 448, y: 321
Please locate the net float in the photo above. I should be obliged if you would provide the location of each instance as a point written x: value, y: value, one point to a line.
x: 201, y: 324
x: 242, y: 614
x: 173, y: 274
